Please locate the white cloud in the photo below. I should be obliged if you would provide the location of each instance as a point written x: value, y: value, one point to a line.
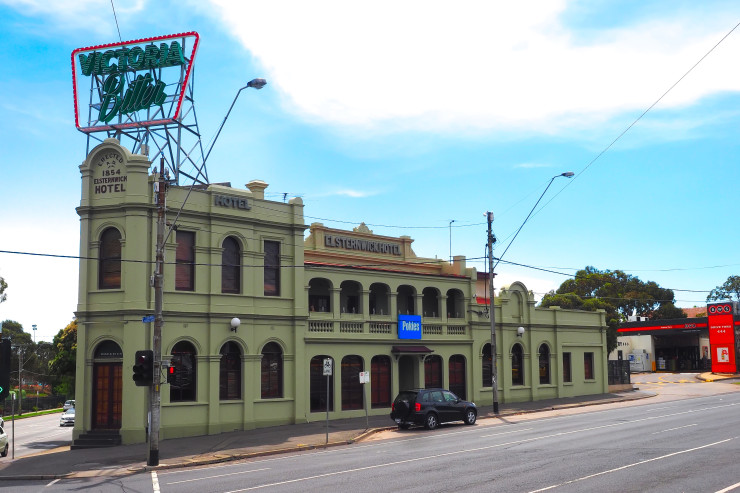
x: 433, y: 65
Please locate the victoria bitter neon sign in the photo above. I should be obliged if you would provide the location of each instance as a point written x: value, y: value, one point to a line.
x: 137, y: 83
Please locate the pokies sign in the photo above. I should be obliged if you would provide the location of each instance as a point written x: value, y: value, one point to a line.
x: 137, y: 83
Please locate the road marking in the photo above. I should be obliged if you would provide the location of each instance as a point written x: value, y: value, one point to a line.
x: 217, y: 476
x: 729, y: 488
x: 506, y: 432
x: 155, y: 482
x: 633, y: 465
x: 52, y: 483
x: 489, y: 447
x: 672, y: 429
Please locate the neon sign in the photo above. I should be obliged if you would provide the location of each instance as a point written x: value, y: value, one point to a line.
x: 120, y: 95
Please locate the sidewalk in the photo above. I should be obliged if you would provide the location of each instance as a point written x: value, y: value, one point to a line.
x: 211, y: 449
x: 716, y: 377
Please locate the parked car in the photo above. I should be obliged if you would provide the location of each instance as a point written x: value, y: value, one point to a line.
x: 68, y: 404
x: 430, y: 408
x: 68, y: 417
x: 3, y: 442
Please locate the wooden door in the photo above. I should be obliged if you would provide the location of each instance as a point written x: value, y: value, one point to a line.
x: 107, y: 396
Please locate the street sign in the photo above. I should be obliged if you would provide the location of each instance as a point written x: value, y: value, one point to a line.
x: 148, y: 319
x: 364, y: 377
x: 327, y: 367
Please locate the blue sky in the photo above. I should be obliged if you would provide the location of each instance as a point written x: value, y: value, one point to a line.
x: 405, y: 116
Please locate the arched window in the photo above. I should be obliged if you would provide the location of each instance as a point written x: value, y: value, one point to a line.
x: 433, y: 372
x: 544, y: 364
x: 272, y: 371
x: 487, y: 364
x: 230, y: 372
x: 319, y: 295
x: 351, y: 386
x: 349, y: 297
x: 380, y: 381
x: 430, y: 302
x: 183, y: 359
x: 231, y: 266
x: 517, y: 365
x: 109, y: 263
x: 319, y: 385
x: 457, y: 375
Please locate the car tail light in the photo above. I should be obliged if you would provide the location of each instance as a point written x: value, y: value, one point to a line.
x: 417, y: 407
x: 393, y: 406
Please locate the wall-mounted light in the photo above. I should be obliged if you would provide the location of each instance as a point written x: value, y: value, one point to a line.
x: 235, y: 322
x: 520, y: 331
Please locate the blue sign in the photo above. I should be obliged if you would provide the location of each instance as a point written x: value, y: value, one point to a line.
x: 409, y: 326
x: 147, y: 319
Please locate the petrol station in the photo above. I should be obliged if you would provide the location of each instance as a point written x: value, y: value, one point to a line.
x: 684, y: 344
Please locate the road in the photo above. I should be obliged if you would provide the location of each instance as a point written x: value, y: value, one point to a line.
x: 664, y: 444
x: 37, y: 434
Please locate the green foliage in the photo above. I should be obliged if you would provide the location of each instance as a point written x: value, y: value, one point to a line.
x: 3, y: 287
x: 618, y: 294
x: 730, y: 290
x: 64, y: 363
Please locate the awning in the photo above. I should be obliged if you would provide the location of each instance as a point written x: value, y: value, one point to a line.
x: 411, y: 350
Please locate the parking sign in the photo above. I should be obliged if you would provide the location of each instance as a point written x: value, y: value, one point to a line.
x: 327, y: 367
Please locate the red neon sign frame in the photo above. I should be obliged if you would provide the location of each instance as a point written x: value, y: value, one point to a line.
x: 146, y: 123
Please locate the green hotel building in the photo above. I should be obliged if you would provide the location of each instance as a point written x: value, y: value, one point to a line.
x: 254, y: 304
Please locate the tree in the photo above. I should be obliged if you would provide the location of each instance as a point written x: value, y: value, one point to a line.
x: 3, y: 287
x: 64, y: 363
x: 618, y: 293
x: 730, y: 290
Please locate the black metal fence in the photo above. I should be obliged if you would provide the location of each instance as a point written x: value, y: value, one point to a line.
x: 32, y: 403
x: 619, y: 372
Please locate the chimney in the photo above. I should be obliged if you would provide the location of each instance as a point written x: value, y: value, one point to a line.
x: 257, y: 187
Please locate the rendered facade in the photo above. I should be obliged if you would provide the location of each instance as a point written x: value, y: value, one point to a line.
x: 363, y: 301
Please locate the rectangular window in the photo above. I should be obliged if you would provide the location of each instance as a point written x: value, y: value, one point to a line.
x: 566, y: 368
x: 185, y: 261
x: 272, y: 268
x: 588, y: 366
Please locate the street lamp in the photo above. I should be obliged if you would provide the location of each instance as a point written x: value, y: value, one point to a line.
x: 451, y: 221
x: 34, y: 333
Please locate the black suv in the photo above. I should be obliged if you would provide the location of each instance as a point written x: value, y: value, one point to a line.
x: 430, y: 407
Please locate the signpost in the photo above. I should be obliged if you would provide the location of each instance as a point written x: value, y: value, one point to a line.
x: 327, y: 372
x: 365, y: 378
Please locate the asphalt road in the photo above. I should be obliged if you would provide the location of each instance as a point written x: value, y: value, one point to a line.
x: 685, y: 439
x: 37, y: 434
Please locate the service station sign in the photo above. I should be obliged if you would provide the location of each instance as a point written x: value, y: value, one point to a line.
x: 138, y: 83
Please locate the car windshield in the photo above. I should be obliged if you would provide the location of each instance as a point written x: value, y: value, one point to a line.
x: 70, y: 411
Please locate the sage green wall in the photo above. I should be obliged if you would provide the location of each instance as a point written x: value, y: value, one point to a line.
x: 203, y: 316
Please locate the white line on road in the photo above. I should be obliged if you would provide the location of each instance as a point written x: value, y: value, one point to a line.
x: 673, y: 429
x: 729, y: 488
x: 218, y: 476
x: 489, y: 447
x: 155, y: 482
x: 633, y: 465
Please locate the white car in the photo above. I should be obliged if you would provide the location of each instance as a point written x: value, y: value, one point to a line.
x: 3, y: 443
x: 68, y: 417
x: 68, y: 404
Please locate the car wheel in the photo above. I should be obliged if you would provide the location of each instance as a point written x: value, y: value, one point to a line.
x: 4, y: 453
x: 470, y: 417
x: 431, y: 422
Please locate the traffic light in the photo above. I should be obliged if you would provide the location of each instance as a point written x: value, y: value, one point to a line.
x: 144, y: 368
x: 4, y: 369
x: 171, y: 374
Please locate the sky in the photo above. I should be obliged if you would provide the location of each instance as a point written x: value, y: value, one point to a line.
x: 407, y: 116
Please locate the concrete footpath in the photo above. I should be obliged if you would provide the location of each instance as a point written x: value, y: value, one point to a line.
x: 211, y: 449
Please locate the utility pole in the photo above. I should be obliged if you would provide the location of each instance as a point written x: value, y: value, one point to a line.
x: 20, y: 384
x: 494, y: 372
x: 155, y: 393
